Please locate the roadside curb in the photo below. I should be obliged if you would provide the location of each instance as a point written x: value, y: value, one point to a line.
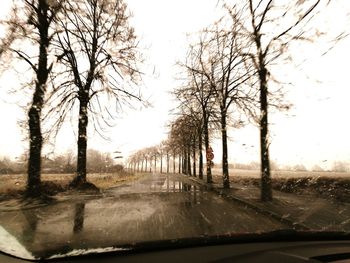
x: 284, y: 220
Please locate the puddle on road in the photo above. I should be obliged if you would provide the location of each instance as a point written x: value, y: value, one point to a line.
x: 167, y: 184
x: 173, y: 184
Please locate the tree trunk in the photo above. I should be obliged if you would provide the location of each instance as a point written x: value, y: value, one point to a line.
x: 225, y: 171
x: 35, y: 146
x: 194, y: 160
x: 200, y: 149
x: 82, y: 142
x: 189, y: 172
x: 174, y: 164
x: 266, y: 191
x: 184, y: 163
x: 179, y: 164
x: 206, y: 142
x: 146, y: 166
x: 155, y: 163
x: 33, y: 187
x: 161, y: 164
x: 167, y: 162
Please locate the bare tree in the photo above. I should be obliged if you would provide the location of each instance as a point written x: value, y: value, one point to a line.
x: 173, y: 148
x: 199, y: 93
x: 145, y: 156
x: 99, y: 54
x: 183, y: 136
x: 98, y: 161
x: 269, y: 27
x: 32, y: 23
x: 226, y: 71
x: 163, y: 149
x: 154, y: 153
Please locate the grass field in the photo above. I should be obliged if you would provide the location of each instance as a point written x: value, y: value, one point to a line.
x: 281, y: 174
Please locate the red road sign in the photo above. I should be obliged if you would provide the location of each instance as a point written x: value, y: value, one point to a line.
x: 210, y: 156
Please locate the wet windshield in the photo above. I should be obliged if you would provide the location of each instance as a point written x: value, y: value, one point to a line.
x: 132, y: 123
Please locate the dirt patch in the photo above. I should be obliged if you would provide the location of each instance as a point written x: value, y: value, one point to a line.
x: 86, y: 187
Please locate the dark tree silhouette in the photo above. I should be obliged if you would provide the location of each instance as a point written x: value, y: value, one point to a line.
x: 32, y: 23
x: 226, y: 72
x: 198, y: 93
x: 269, y: 27
x: 99, y: 53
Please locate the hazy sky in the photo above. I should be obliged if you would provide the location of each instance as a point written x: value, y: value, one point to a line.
x: 315, y: 130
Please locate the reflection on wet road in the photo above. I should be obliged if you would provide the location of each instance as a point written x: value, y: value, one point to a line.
x: 156, y: 207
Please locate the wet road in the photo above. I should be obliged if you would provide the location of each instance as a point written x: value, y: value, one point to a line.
x: 156, y: 207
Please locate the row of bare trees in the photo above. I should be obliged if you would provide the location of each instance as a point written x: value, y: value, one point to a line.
x: 154, y: 157
x: 177, y: 154
x: 83, y: 56
x: 229, y: 76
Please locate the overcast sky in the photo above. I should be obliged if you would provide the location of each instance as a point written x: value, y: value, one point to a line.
x: 315, y: 130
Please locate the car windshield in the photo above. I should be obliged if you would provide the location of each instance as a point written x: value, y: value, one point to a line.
x: 128, y: 124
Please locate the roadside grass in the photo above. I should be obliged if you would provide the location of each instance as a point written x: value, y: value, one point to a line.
x: 13, y: 186
x: 334, y: 188
x: 105, y: 181
x: 281, y: 173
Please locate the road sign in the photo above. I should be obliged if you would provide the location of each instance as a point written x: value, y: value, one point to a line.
x: 210, y: 156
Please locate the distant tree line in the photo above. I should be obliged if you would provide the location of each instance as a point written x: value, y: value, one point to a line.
x: 164, y: 158
x: 98, y: 162
x: 161, y: 157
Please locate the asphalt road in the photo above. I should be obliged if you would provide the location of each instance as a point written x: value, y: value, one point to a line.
x: 156, y: 207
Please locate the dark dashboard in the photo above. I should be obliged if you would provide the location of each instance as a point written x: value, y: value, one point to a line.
x: 302, y: 251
